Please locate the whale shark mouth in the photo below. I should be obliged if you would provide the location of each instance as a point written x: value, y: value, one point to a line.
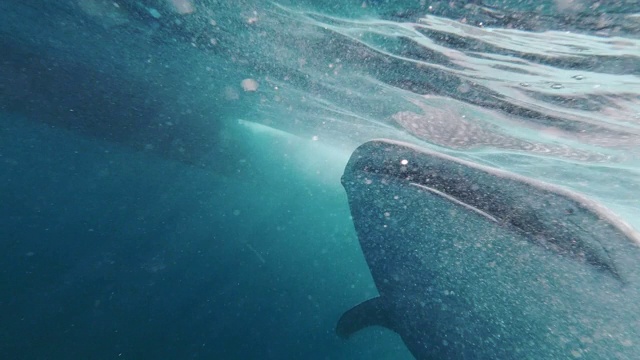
x: 453, y: 199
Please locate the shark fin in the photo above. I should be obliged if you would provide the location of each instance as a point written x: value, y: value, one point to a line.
x: 369, y: 313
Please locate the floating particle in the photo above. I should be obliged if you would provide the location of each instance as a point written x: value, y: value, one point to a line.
x: 626, y: 342
x: 253, y: 19
x: 183, y: 6
x: 155, y: 13
x: 249, y: 85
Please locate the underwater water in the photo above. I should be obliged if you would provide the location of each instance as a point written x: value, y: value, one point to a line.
x: 170, y: 169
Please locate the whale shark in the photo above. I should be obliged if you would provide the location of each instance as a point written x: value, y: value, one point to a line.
x: 473, y: 262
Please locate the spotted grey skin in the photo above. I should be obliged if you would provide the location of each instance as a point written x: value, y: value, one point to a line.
x: 472, y: 262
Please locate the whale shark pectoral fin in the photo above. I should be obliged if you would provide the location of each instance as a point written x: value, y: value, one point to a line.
x: 373, y: 312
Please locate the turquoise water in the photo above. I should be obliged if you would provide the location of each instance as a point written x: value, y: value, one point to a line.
x: 170, y: 178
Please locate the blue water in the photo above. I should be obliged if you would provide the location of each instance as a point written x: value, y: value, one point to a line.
x: 170, y: 170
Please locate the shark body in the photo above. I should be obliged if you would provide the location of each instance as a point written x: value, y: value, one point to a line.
x: 472, y: 262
